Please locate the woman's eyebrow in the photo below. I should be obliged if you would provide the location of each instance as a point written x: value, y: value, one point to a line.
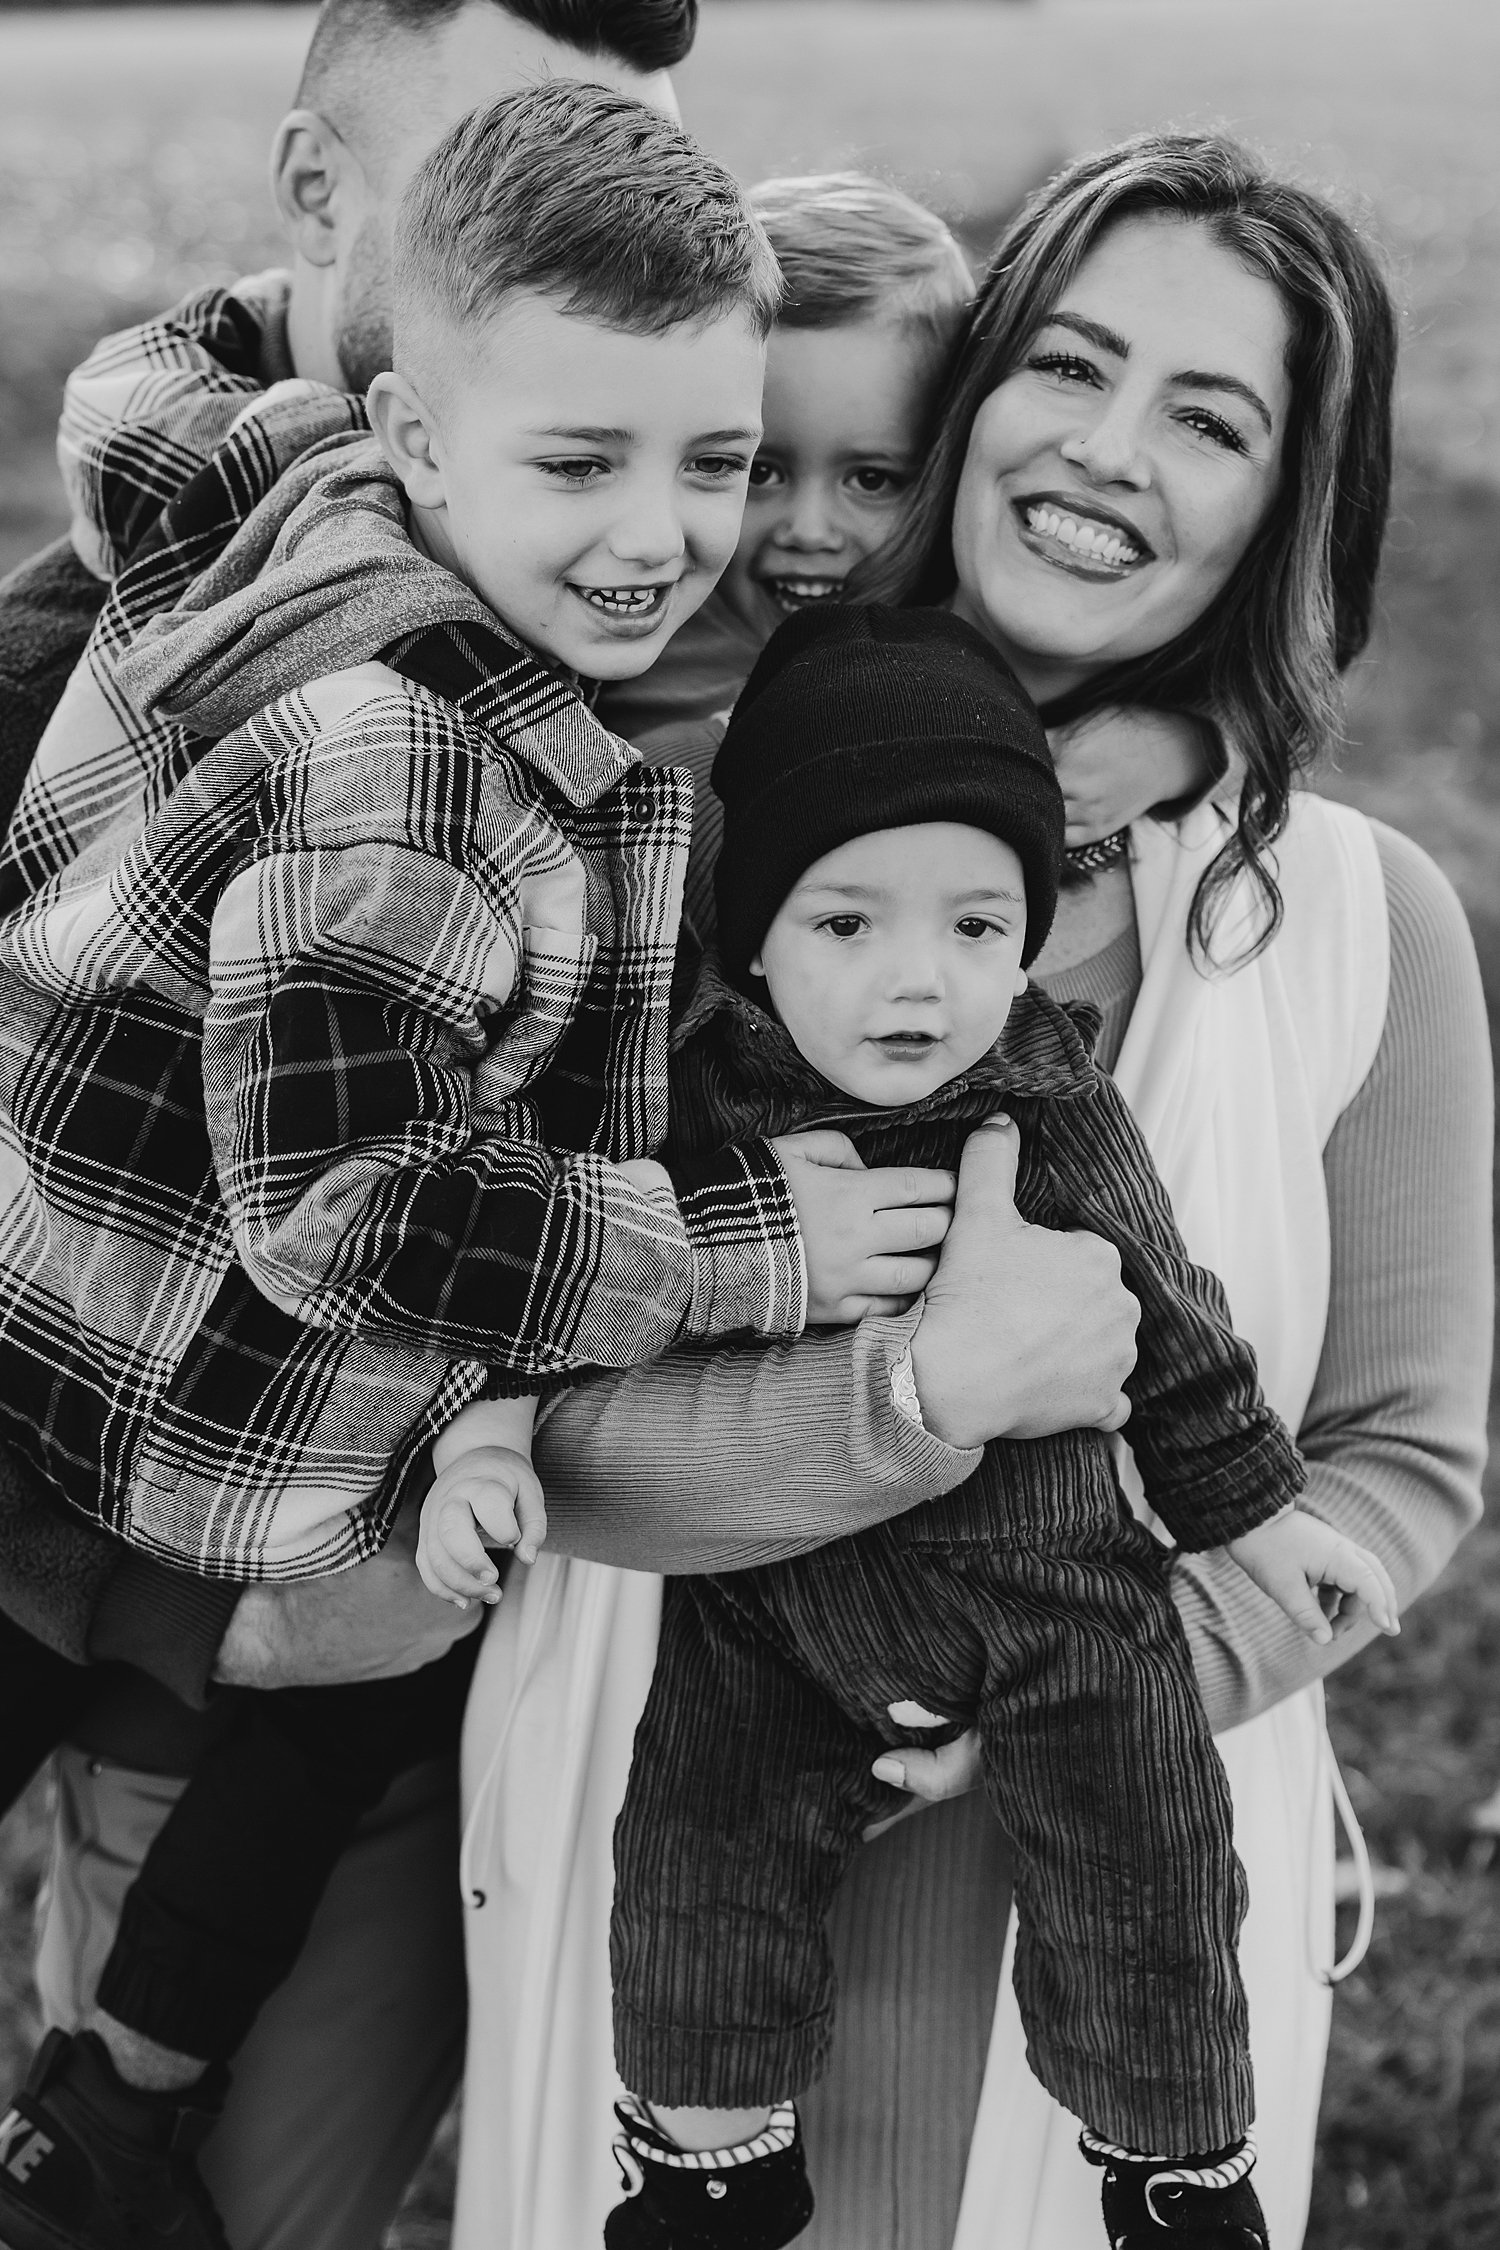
x: 1191, y: 379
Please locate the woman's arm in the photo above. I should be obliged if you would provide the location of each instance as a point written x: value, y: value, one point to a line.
x: 1394, y: 1433
x: 721, y: 1459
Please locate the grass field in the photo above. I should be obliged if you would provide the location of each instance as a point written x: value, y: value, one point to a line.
x: 131, y: 154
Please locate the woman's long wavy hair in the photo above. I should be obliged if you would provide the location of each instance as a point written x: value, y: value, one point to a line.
x: 1262, y: 662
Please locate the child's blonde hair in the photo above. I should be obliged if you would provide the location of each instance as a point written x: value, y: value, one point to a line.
x: 852, y: 247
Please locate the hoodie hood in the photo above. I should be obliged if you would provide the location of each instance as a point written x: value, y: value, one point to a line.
x: 322, y: 575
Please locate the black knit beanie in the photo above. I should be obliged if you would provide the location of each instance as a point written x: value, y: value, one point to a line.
x: 856, y: 719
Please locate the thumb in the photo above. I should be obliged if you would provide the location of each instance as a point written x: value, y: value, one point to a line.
x: 987, y: 1168
x: 822, y: 1146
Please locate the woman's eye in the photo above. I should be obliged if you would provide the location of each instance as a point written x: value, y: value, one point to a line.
x: 878, y: 484
x: 1066, y: 366
x: 764, y: 474
x: 1213, y: 427
x: 842, y: 925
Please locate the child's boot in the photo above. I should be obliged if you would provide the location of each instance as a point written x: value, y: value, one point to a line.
x: 754, y: 2197
x: 90, y: 2163
x: 1199, y: 2203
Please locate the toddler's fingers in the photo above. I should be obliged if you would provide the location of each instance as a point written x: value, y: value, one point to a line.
x: 459, y: 1556
x: 1367, y: 1583
x: 531, y: 1512
x: 494, y: 1505
x: 1292, y: 1591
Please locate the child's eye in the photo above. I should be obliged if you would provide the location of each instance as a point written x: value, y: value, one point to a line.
x: 874, y: 483
x: 842, y: 925
x: 764, y: 474
x: 719, y: 468
x: 978, y: 926
x: 1214, y: 428
x: 580, y: 469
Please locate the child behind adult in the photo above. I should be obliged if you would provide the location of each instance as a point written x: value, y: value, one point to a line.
x: 335, y: 1026
x: 893, y: 834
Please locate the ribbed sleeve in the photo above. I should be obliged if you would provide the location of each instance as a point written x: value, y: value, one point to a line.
x: 1394, y: 1433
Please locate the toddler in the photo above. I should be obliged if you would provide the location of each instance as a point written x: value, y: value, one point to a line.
x: 893, y: 834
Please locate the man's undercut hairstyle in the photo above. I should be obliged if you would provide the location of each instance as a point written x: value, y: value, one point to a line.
x: 852, y: 247
x: 646, y: 35
x: 588, y: 198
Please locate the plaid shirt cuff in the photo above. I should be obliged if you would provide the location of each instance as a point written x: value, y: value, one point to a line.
x: 748, y: 1267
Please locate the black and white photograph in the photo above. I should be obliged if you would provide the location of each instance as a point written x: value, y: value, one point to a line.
x: 749, y: 938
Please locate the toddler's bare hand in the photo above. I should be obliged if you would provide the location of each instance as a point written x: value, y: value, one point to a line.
x: 490, y: 1490
x: 1295, y: 1555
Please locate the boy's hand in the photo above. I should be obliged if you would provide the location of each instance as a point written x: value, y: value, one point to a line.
x: 869, y: 1238
x: 1292, y: 1555
x: 492, y: 1489
x: 1114, y: 766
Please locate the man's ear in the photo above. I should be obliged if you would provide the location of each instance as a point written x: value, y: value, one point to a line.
x: 408, y: 438
x: 313, y: 171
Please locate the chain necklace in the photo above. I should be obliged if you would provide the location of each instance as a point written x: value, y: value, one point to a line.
x: 1091, y: 859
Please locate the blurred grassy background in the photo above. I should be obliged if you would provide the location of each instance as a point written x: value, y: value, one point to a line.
x: 132, y: 148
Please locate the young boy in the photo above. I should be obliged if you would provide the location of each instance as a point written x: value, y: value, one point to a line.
x: 893, y: 834
x: 334, y: 1046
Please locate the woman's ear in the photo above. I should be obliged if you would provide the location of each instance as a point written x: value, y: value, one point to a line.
x: 313, y: 173
x: 408, y: 438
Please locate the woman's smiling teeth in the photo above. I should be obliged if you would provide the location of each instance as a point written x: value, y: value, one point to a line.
x: 1088, y: 542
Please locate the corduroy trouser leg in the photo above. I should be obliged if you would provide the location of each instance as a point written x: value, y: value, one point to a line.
x: 751, y: 1784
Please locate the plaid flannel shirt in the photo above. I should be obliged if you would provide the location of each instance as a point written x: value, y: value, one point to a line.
x: 149, y: 405
x: 327, y: 1017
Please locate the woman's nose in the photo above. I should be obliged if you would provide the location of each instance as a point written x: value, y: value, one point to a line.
x: 1110, y: 449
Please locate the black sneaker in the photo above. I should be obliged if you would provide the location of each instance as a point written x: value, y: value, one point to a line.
x: 89, y: 2163
x: 755, y: 2197
x: 1202, y: 2203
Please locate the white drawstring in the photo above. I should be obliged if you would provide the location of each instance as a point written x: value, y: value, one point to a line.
x: 1359, y: 1852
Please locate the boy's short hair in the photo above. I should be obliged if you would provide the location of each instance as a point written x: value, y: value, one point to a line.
x: 589, y: 198
x: 852, y: 247
x: 647, y: 35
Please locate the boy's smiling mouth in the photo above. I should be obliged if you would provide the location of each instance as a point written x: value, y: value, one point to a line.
x: 1082, y: 538
x: 626, y: 605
